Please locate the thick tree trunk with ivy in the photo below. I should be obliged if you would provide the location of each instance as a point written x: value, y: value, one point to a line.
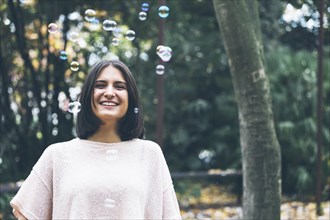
x: 240, y: 29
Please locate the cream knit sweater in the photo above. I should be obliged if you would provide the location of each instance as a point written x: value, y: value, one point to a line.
x: 82, y: 179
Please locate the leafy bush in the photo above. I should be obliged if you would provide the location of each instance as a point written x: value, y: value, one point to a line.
x: 293, y: 86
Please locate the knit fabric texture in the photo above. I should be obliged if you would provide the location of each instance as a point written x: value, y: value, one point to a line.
x: 82, y: 179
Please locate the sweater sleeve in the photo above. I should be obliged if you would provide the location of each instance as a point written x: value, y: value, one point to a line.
x: 170, y: 204
x: 34, y: 198
x: 171, y: 208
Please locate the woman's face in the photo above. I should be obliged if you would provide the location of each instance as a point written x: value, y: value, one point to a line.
x: 110, y: 98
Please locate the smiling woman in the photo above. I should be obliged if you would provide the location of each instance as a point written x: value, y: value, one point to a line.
x: 108, y: 171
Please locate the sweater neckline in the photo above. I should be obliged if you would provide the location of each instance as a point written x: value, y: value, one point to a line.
x: 104, y: 144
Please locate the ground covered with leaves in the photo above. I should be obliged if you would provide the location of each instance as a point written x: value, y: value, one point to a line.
x: 216, y: 202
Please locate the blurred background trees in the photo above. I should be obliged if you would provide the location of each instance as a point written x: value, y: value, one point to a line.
x: 200, y: 121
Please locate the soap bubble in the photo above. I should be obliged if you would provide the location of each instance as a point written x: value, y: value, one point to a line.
x: 63, y: 55
x: 74, y: 66
x: 74, y: 107
x: 142, y: 16
x: 94, y: 25
x: 55, y: 131
x: 164, y: 53
x: 163, y: 11
x: 130, y: 35
x: 115, y: 41
x: 111, y: 155
x: 145, y: 7
x: 136, y: 110
x: 109, y: 25
x: 52, y: 28
x: 109, y: 203
x: 90, y: 15
x: 73, y: 36
x: 117, y: 32
x: 160, y: 69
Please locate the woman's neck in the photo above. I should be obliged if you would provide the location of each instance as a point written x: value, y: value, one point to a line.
x: 106, y: 135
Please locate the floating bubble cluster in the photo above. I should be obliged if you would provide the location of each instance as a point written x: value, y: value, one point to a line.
x: 143, y: 12
x: 164, y: 53
x: 91, y: 16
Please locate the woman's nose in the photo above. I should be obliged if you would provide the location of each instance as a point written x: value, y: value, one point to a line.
x: 109, y: 92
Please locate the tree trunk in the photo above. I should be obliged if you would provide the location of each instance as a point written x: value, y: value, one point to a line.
x: 319, y: 117
x: 240, y: 29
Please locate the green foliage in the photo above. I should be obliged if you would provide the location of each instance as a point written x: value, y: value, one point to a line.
x: 5, y: 209
x: 293, y: 85
x: 199, y: 95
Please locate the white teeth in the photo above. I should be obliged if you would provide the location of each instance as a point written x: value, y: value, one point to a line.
x: 108, y: 103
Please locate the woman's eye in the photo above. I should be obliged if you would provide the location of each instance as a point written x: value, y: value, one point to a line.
x: 99, y: 86
x: 119, y: 86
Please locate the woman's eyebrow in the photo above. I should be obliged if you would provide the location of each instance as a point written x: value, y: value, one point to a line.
x: 105, y: 81
x: 100, y: 80
x: 120, y: 82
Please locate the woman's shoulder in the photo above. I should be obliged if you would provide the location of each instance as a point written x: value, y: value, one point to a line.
x: 148, y: 143
x: 59, y: 146
x: 149, y: 146
x: 63, y: 143
x: 51, y: 154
